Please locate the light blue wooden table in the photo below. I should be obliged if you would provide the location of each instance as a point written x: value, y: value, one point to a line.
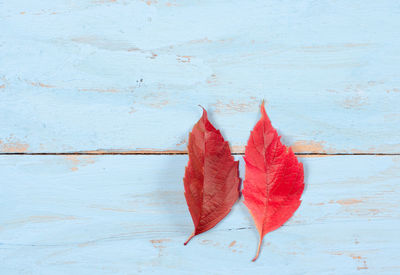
x: 97, y: 98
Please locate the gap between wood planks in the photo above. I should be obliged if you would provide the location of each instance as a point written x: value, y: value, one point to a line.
x: 170, y: 152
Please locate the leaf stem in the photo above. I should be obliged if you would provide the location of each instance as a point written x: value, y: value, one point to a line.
x: 191, y: 236
x: 258, y: 251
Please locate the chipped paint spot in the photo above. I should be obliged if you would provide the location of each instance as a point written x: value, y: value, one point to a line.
x: 212, y: 80
x: 159, y: 244
x: 394, y: 90
x: 317, y: 204
x: 150, y: 2
x: 234, y: 106
x: 203, y: 40
x: 156, y: 100
x: 39, y: 84
x: 99, y: 151
x: 2, y: 86
x: 232, y: 244
x: 183, y: 141
x: 348, y: 201
x: 385, y: 148
x: 107, y: 90
x: 361, y: 260
x: 184, y: 58
x: 308, y: 146
x: 238, y: 149
x: 132, y: 110
x: 12, y: 145
x: 170, y: 4
x: 206, y: 242
x: 159, y: 104
x: 153, y: 55
x: 354, y: 102
x: 134, y: 49
x: 75, y: 161
x: 160, y: 241
x: 314, y: 156
x: 338, y: 253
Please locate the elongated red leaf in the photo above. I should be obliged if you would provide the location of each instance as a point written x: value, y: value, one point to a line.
x: 274, y: 178
x: 211, y: 177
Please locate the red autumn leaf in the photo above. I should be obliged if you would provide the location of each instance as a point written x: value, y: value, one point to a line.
x: 274, y: 179
x: 211, y: 179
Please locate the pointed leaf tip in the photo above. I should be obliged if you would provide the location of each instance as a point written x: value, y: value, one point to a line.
x: 263, y: 112
x: 204, y: 115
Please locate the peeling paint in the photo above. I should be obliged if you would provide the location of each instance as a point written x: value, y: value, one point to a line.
x: 106, y: 90
x: 75, y: 161
x: 42, y: 85
x: 183, y: 141
x: 12, y: 145
x: 184, y: 58
x: 171, y: 4
x: 354, y: 102
x: 235, y: 106
x: 212, y: 80
x: 314, y: 156
x: 160, y: 241
x: 238, y: 149
x: 308, y: 146
x: 394, y: 90
x: 348, y: 201
x: 150, y: 2
x: 156, y: 100
x: 384, y: 148
x: 203, y: 40
x: 159, y: 244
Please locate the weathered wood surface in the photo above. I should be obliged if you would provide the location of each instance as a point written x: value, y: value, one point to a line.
x: 127, y: 215
x: 120, y: 75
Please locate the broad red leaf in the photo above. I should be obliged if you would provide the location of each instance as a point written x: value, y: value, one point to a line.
x: 274, y: 178
x: 211, y: 179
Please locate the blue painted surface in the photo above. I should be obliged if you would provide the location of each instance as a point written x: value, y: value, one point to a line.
x: 112, y: 75
x: 128, y: 215
x: 119, y: 75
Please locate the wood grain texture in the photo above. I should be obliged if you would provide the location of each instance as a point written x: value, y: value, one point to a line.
x: 118, y: 75
x: 127, y: 215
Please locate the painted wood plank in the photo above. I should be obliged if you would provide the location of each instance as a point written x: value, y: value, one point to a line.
x: 128, y: 75
x: 127, y: 215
